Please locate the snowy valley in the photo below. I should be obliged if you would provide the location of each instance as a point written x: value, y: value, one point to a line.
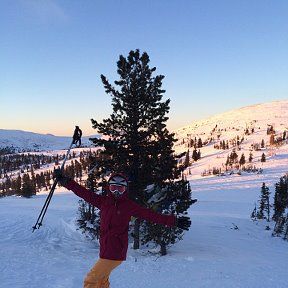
x: 223, y: 248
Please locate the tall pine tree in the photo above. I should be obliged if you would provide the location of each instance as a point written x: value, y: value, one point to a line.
x: 137, y: 141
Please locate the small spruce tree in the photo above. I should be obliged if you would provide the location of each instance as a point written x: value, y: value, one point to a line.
x: 264, y: 203
x: 250, y: 157
x: 242, y: 160
x: 263, y: 158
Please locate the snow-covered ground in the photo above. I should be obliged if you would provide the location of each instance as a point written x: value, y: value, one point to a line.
x: 223, y: 248
x: 214, y: 253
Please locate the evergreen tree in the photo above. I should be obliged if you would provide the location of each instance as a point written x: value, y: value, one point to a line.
x: 279, y: 226
x: 234, y: 157
x: 138, y: 143
x: 280, y: 197
x: 242, y: 160
x: 264, y: 203
x: 174, y: 197
x: 284, y: 135
x: 227, y: 145
x: 18, y: 184
x: 250, y: 157
x: 187, y: 159
x: 47, y: 180
x: 198, y: 154
x: 263, y: 158
x: 195, y: 155
x: 191, y: 143
x: 262, y: 143
x: 220, y: 145
x: 280, y: 215
x: 285, y: 227
x: 254, y: 213
x: 28, y: 188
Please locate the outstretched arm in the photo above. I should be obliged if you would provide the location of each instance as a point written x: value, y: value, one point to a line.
x: 85, y: 194
x: 79, y: 190
x: 150, y: 215
x: 182, y: 222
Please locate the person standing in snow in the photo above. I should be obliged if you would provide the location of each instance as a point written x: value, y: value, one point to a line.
x: 77, y: 136
x: 116, y: 211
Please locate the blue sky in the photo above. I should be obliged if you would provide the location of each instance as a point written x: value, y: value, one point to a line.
x: 216, y: 55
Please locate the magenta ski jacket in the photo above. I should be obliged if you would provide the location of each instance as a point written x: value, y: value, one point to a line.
x: 115, y: 214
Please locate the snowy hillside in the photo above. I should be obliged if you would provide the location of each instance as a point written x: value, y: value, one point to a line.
x: 257, y: 116
x: 223, y: 249
x: 247, y: 125
x: 28, y: 141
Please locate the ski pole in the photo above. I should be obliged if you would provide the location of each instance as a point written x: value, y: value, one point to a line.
x: 48, y: 199
x: 54, y: 185
x: 91, y: 170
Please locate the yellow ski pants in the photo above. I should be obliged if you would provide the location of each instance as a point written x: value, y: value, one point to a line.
x: 98, y: 276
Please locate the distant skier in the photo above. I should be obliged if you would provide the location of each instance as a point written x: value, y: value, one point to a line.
x: 116, y: 212
x: 77, y: 136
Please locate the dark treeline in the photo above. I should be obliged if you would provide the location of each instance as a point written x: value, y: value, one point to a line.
x: 7, y: 150
x: 21, y: 176
x: 25, y: 162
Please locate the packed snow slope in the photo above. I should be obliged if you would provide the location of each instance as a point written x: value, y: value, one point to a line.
x: 223, y: 248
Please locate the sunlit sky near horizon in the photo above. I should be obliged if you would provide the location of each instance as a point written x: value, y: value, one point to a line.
x: 216, y: 55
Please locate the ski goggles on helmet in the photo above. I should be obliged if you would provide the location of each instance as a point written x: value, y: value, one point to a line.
x: 117, y: 188
x: 117, y: 185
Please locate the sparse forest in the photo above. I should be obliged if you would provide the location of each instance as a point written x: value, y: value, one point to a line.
x: 21, y: 173
x: 264, y: 208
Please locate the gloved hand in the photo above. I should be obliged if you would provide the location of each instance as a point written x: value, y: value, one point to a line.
x: 61, y: 178
x: 183, y: 222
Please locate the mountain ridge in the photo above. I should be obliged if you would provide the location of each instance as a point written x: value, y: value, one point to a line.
x: 266, y: 112
x: 24, y: 141
x: 245, y: 117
